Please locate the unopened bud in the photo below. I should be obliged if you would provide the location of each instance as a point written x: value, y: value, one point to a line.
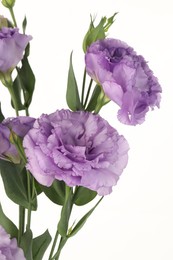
x: 8, y: 3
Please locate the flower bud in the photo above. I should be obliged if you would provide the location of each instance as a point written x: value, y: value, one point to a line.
x: 8, y: 3
x: 12, y: 131
x: 3, y: 22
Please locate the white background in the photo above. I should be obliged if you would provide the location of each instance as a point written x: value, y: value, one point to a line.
x: 135, y: 222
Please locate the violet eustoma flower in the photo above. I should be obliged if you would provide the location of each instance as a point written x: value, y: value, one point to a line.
x: 20, y: 126
x: 9, y: 249
x: 12, y: 45
x: 125, y: 78
x: 79, y: 148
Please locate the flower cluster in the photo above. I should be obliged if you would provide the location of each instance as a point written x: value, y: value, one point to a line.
x: 71, y: 155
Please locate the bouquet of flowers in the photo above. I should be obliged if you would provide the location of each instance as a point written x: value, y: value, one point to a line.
x: 72, y: 155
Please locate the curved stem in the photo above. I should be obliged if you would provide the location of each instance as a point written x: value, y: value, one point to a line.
x: 13, y: 16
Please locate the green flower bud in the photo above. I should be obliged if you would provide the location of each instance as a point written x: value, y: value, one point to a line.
x: 8, y: 3
x: 98, y: 32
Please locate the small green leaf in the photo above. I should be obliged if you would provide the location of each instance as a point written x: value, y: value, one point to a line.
x: 1, y: 115
x: 28, y: 81
x: 65, y: 213
x: 7, y: 224
x: 15, y: 183
x: 26, y: 244
x: 24, y: 24
x: 40, y: 245
x: 82, y: 221
x: 93, y: 101
x: 72, y: 94
x: 56, y: 192
x: 83, y: 195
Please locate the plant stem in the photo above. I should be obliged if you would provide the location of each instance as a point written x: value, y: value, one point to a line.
x: 83, y: 86
x: 21, y: 222
x: 88, y: 92
x: 61, y: 245
x: 29, y: 199
x: 13, y: 97
x: 13, y: 16
x: 27, y: 111
x: 54, y: 244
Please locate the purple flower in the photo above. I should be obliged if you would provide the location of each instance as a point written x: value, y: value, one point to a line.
x: 12, y: 45
x: 20, y: 126
x: 8, y: 247
x: 125, y: 78
x: 80, y: 148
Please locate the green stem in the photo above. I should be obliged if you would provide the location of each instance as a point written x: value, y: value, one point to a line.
x: 21, y: 222
x: 27, y: 111
x: 83, y: 86
x: 63, y: 223
x: 61, y: 245
x: 13, y: 97
x: 29, y: 199
x: 88, y: 92
x: 54, y: 244
x: 13, y: 16
x: 101, y: 101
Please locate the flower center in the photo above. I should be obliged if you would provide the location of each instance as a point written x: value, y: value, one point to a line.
x: 116, y: 54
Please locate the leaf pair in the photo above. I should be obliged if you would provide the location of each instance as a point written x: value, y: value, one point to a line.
x: 56, y: 193
x: 34, y: 249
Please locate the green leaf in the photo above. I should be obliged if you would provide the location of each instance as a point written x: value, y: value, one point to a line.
x: 37, y: 187
x: 83, y: 220
x: 83, y: 195
x: 1, y: 115
x: 93, y: 101
x: 65, y: 213
x: 17, y: 87
x: 72, y: 94
x: 7, y: 224
x: 15, y: 183
x: 56, y: 192
x: 28, y: 81
x: 24, y: 83
x: 40, y: 245
x: 26, y: 244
